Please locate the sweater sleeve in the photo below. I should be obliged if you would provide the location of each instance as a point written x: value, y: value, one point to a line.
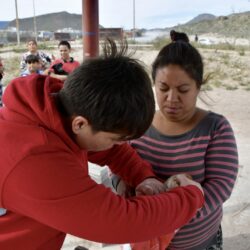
x: 221, y: 167
x: 58, y: 192
x: 124, y: 161
x: 23, y: 63
x: 45, y: 59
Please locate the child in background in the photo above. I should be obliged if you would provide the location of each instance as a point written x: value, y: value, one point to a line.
x: 33, y: 66
x: 63, y: 66
x: 44, y: 58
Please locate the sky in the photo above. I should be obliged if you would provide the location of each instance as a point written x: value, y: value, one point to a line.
x: 119, y: 13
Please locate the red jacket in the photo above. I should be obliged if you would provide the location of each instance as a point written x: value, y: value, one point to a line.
x: 46, y: 189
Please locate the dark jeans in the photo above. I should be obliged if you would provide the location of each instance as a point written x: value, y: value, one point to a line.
x: 218, y: 243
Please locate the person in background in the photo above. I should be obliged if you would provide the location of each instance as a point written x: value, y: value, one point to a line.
x: 60, y: 68
x: 196, y: 39
x: 33, y: 66
x: 45, y: 59
x: 184, y: 138
x: 1, y: 77
x: 50, y: 130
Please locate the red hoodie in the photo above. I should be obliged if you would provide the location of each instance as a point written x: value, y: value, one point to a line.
x: 46, y: 189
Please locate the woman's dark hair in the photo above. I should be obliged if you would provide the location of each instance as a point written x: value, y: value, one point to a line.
x: 184, y: 55
x: 178, y: 36
x: 112, y: 91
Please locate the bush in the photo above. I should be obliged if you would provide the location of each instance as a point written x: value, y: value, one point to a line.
x: 160, y: 42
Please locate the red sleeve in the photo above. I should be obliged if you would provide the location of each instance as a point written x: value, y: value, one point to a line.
x: 124, y: 161
x: 50, y: 67
x: 59, y: 193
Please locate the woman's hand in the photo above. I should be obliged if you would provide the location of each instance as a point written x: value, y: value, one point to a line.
x: 124, y: 190
x: 182, y: 180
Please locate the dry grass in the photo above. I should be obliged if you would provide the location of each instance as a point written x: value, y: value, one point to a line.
x: 229, y: 69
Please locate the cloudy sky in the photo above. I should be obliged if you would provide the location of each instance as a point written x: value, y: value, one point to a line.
x: 119, y: 13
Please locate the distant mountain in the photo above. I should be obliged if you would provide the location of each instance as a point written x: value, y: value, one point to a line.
x: 50, y: 22
x: 3, y: 24
x: 201, y: 17
x: 234, y: 25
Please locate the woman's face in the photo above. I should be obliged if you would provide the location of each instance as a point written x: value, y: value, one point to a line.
x: 176, y: 93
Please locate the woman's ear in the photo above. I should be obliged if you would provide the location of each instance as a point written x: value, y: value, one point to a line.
x: 78, y: 123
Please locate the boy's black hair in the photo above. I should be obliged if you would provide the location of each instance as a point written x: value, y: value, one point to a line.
x: 184, y: 55
x: 65, y: 43
x: 113, y: 92
x: 32, y: 59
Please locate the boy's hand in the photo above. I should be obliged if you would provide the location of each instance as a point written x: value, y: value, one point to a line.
x: 150, y: 186
x: 124, y: 190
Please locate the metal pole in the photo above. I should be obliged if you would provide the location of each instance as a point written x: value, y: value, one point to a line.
x: 34, y: 20
x: 90, y: 28
x: 17, y: 25
x: 134, y: 20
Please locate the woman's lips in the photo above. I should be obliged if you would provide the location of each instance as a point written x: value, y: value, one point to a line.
x: 171, y: 110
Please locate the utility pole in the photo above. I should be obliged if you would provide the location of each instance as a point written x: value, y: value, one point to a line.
x: 134, y: 20
x: 17, y: 25
x: 34, y: 20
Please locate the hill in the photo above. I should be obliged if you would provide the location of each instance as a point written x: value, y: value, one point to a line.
x: 3, y: 24
x: 234, y: 25
x: 201, y: 17
x: 50, y: 22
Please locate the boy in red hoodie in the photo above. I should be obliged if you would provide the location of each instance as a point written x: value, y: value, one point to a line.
x: 1, y: 76
x: 49, y: 132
